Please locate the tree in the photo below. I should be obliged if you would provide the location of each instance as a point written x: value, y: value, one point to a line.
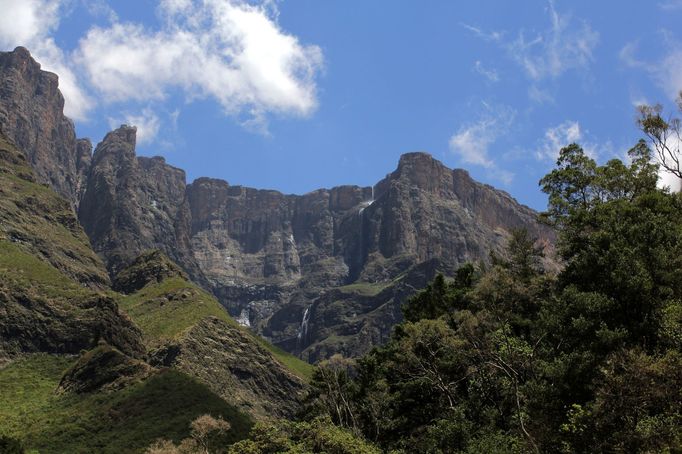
x: 204, y: 438
x: 331, y: 393
x: 664, y: 134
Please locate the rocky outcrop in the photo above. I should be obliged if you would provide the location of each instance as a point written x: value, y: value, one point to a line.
x: 132, y: 204
x: 234, y: 366
x: 103, y: 369
x: 32, y: 117
x: 150, y: 267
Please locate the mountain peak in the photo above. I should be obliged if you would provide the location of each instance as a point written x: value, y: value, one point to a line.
x: 124, y: 133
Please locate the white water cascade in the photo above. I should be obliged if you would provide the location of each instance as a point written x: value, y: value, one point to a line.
x: 367, y: 203
x: 303, y: 330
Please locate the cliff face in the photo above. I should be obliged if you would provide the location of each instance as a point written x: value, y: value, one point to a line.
x: 31, y: 116
x: 326, y: 272
x: 131, y: 204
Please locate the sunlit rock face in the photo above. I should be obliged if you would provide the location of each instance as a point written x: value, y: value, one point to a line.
x: 132, y: 204
x: 32, y: 117
x: 327, y: 271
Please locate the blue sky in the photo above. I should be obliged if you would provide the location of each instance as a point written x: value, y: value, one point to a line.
x: 295, y: 95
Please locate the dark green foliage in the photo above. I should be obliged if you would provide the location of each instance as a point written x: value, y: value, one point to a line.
x: 512, y: 359
x: 317, y: 436
x: 441, y: 297
x: 9, y: 445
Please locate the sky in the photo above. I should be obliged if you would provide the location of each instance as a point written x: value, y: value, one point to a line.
x: 295, y: 95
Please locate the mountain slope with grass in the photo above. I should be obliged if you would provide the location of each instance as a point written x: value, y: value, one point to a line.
x: 51, y: 282
x: 186, y: 328
x: 123, y: 421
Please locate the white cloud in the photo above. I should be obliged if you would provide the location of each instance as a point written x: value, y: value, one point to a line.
x: 667, y: 179
x: 566, y: 45
x: 494, y: 36
x: 558, y: 137
x: 147, y: 123
x: 472, y: 141
x: 540, y: 96
x: 228, y: 50
x: 29, y: 23
x: 490, y: 74
x: 100, y: 8
x: 232, y: 51
x: 627, y: 56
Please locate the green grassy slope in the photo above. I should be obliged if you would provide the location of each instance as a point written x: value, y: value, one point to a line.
x: 165, y: 310
x: 42, y: 223
x: 117, y: 422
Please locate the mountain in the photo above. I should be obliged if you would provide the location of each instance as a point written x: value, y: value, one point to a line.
x: 186, y: 328
x: 317, y: 274
x: 327, y: 271
x: 84, y: 368
x: 131, y: 204
x: 51, y: 282
x: 32, y: 118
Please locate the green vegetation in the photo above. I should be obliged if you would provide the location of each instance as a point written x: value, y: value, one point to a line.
x: 285, y: 437
x: 22, y: 270
x: 41, y: 222
x: 365, y: 288
x: 511, y: 359
x: 166, y: 309
x: 123, y: 421
x: 299, y: 367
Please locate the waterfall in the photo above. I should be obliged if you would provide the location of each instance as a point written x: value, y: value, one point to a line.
x: 367, y: 203
x: 243, y: 318
x: 301, y: 339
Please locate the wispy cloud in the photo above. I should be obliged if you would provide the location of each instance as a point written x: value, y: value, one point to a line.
x: 665, y: 70
x: 146, y: 121
x: 539, y: 95
x: 490, y: 74
x: 494, y: 36
x: 472, y: 141
x: 567, y: 44
x: 670, y: 5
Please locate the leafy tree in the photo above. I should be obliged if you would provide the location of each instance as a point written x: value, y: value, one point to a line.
x: 514, y: 359
x: 332, y: 392
x: 664, y: 134
x: 440, y: 297
x: 286, y: 437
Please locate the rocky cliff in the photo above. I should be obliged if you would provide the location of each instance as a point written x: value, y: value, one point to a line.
x: 32, y: 117
x: 131, y: 204
x: 318, y: 273
x: 51, y: 282
x: 326, y: 272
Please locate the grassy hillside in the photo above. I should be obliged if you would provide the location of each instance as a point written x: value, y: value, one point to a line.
x: 42, y: 223
x: 164, y: 310
x: 116, y: 422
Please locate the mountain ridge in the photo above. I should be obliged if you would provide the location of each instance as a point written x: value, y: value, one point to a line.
x: 269, y: 256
